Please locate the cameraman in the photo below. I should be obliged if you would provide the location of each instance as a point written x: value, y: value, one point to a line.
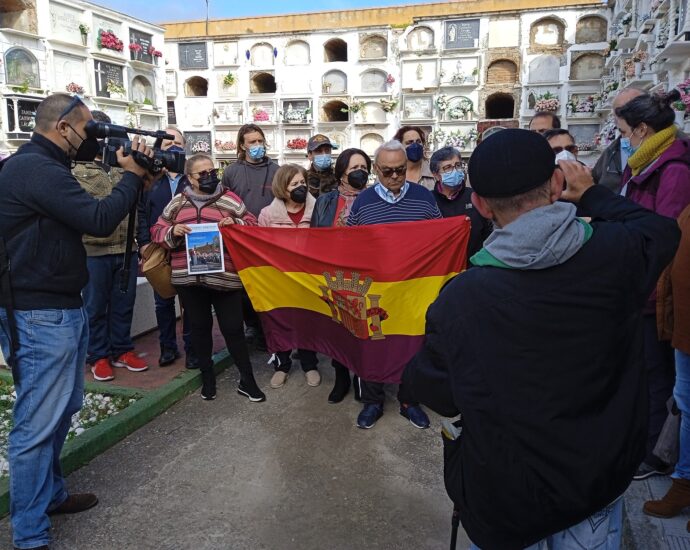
x: 43, y: 215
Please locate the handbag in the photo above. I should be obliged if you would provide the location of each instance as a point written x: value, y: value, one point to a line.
x: 157, y: 270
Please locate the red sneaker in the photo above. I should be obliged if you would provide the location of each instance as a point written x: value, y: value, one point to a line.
x: 130, y: 361
x: 102, y: 371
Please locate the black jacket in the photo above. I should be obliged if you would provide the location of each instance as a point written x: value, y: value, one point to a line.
x: 462, y: 206
x: 48, y: 257
x: 607, y: 171
x: 151, y: 206
x: 547, y: 369
x: 325, y: 209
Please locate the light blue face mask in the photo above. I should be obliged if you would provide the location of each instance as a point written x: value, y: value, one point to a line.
x: 257, y: 152
x: 322, y: 162
x: 454, y: 178
x: 626, y: 146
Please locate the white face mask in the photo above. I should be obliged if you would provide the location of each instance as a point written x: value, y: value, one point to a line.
x: 565, y: 155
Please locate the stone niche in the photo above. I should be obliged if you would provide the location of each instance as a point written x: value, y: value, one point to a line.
x: 19, y: 15
x: 372, y: 46
x: 590, y: 28
x: 369, y: 142
x: 297, y: 53
x: 334, y: 82
x: 420, y: 39
x: 545, y: 68
x: 502, y: 71
x: 374, y: 81
x: 546, y: 34
x: 586, y: 66
x: 261, y: 55
x: 141, y: 89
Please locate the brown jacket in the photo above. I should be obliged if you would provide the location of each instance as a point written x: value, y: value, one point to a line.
x: 673, y: 301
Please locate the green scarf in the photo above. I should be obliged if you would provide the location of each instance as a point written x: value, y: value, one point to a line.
x: 651, y: 149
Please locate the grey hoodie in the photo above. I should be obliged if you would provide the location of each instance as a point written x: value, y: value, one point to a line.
x: 251, y: 182
x: 541, y: 238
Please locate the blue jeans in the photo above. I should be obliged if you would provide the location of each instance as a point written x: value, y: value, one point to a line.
x: 600, y: 531
x: 109, y: 310
x: 167, y: 319
x: 681, y: 393
x: 50, y: 389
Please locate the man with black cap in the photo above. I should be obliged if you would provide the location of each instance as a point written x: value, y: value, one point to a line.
x: 538, y: 345
x: 320, y: 176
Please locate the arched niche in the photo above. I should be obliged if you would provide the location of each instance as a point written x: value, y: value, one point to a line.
x: 374, y: 80
x: 196, y: 86
x: 591, y: 28
x: 373, y: 47
x: 500, y: 105
x: 141, y: 89
x: 374, y: 113
x: 334, y: 82
x: 502, y: 71
x: 545, y: 68
x: 21, y: 67
x: 589, y: 66
x: 261, y: 55
x: 297, y: 53
x: 335, y: 50
x: 370, y: 142
x: 262, y: 82
x: 546, y: 32
x: 421, y: 38
x: 335, y: 111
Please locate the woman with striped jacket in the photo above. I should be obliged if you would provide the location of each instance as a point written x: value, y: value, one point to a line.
x: 205, y: 200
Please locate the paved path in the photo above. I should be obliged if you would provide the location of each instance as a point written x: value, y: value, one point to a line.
x: 291, y: 473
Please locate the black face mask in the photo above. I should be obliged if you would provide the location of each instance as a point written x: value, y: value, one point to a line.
x: 87, y: 150
x: 299, y: 194
x: 358, y: 178
x: 209, y: 183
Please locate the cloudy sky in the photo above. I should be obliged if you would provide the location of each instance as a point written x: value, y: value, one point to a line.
x: 161, y: 11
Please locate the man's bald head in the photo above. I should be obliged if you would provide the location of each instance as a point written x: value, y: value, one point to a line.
x: 624, y: 96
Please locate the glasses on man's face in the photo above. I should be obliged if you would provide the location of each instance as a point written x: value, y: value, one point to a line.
x: 389, y: 172
x: 458, y: 166
x: 570, y: 148
x: 206, y: 174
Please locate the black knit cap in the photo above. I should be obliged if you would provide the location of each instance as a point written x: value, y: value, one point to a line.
x: 510, y: 162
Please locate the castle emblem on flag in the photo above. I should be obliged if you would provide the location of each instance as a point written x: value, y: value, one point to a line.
x: 348, y: 298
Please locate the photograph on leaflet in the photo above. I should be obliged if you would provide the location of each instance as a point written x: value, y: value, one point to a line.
x: 204, y: 249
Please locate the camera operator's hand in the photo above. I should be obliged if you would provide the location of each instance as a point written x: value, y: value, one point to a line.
x: 180, y: 230
x: 226, y: 221
x: 129, y: 164
x: 578, y: 179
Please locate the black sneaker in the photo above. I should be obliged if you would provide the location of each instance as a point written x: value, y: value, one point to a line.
x: 251, y: 391
x: 168, y: 357
x: 208, y: 385
x: 191, y: 361
x: 647, y: 470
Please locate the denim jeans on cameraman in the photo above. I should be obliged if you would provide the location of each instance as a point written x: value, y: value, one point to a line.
x: 681, y: 393
x: 50, y: 389
x: 600, y: 531
x: 108, y: 308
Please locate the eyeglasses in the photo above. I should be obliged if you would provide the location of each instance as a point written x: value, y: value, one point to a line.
x: 388, y: 172
x: 570, y: 148
x: 457, y: 166
x: 206, y: 173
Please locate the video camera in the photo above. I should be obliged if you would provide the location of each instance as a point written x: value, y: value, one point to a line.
x: 115, y: 136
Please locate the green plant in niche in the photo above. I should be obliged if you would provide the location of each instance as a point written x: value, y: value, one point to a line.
x: 229, y: 79
x: 147, y: 101
x: 23, y: 88
x: 83, y: 29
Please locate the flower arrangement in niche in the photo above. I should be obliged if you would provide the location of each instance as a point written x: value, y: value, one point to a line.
x: 259, y: 114
x: 581, y: 105
x: 388, y: 105
x: 229, y: 79
x: 115, y: 88
x: 684, y: 89
x: 297, y: 143
x: 390, y: 79
x: 135, y: 48
x: 154, y: 52
x: 355, y: 106
x: 74, y: 88
x: 607, y: 134
x: 83, y: 29
x: 639, y: 56
x: 547, y: 102
x: 442, y: 102
x: 201, y: 147
x: 107, y: 40
x: 224, y: 145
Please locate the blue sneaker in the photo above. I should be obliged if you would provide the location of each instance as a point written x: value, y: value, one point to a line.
x: 371, y: 412
x: 415, y: 415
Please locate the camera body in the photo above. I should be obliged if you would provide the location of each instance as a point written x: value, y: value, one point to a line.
x: 115, y: 136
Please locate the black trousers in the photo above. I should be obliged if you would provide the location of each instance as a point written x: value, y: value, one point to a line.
x: 250, y: 316
x: 661, y: 377
x: 372, y: 392
x: 198, y: 301
x: 307, y: 359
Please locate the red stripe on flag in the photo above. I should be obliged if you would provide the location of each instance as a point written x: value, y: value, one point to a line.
x: 389, y: 252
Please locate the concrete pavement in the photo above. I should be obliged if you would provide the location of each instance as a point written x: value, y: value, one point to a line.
x: 291, y: 473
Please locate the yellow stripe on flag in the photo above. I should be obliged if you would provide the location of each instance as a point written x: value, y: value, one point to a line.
x: 405, y: 302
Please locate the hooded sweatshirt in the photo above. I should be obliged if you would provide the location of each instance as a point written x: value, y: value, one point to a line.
x: 251, y: 182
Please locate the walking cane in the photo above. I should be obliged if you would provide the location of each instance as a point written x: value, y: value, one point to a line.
x: 455, y: 522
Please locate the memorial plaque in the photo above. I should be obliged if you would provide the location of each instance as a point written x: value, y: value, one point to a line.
x: 144, y: 40
x: 461, y: 33
x: 26, y: 115
x: 172, y: 117
x: 583, y: 133
x: 225, y: 53
x: 107, y: 72
x: 198, y: 142
x: 193, y: 55
x: 68, y: 69
x: 229, y: 113
x: 64, y: 23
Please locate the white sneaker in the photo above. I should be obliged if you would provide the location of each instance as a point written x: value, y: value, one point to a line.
x: 313, y: 378
x: 278, y: 379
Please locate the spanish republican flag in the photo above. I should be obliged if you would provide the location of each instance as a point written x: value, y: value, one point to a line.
x: 356, y: 294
